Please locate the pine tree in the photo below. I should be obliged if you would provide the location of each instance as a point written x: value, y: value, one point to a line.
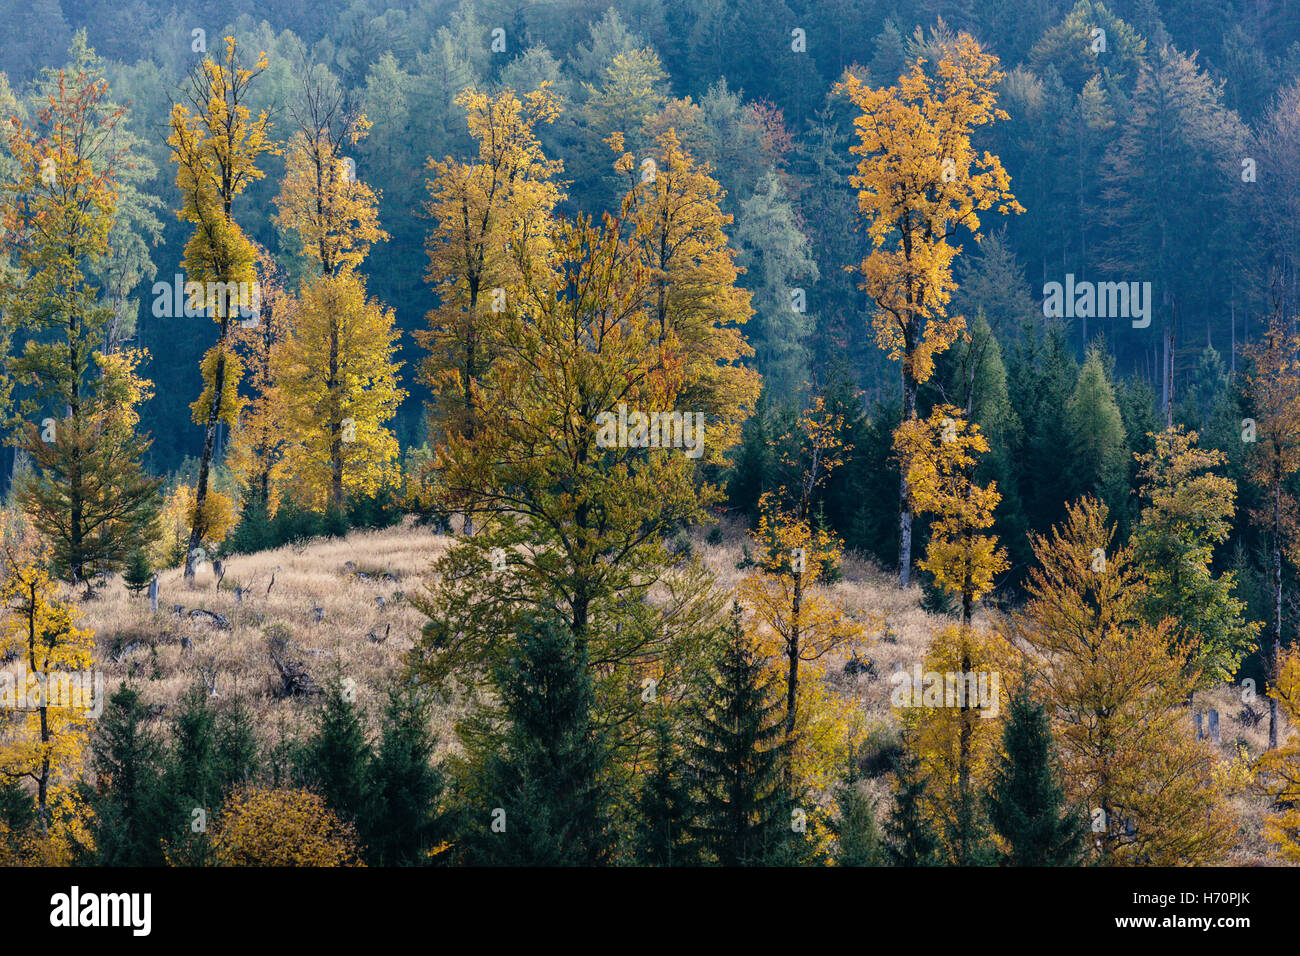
x: 196, y: 781
x: 237, y: 755
x: 1025, y: 802
x: 542, y: 780
x: 403, y: 824
x: 738, y: 750
x: 129, y: 804
x: 1097, y: 443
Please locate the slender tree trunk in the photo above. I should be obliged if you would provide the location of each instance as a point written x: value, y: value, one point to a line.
x: 1276, y: 651
x: 792, y: 659
x: 197, y: 529
x: 336, y: 424
x: 905, y: 493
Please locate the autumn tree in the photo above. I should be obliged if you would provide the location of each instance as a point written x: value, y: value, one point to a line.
x: 1273, y: 386
x: 1116, y: 686
x: 337, y: 379
x: 1278, y: 771
x: 938, y: 457
x: 333, y: 214
x: 261, y: 826
x: 45, y: 743
x: 581, y: 467
x: 88, y: 492
x: 1187, y: 510
x: 919, y: 181
x: 955, y: 741
x: 676, y: 228
x: 215, y: 143
x: 490, y: 219
x: 798, y: 624
x: 258, y: 441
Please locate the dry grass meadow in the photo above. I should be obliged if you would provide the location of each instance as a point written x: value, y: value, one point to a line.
x: 360, y: 583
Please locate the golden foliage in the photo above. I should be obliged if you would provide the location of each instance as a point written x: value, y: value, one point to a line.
x: 491, y: 227
x: 678, y: 233
x: 44, y: 744
x: 1278, y: 771
x: 337, y: 384
x: 919, y: 178
x: 938, y: 456
x: 281, y: 827
x: 1116, y: 688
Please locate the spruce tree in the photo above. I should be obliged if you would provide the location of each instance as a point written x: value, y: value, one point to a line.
x: 237, y: 753
x: 858, y: 840
x: 661, y: 806
x: 128, y: 804
x: 335, y: 758
x: 739, y: 751
x: 402, y: 823
x: 911, y: 838
x: 191, y: 773
x: 1099, y: 453
x: 537, y: 793
x: 138, y: 573
x: 1026, y: 803
x: 191, y: 783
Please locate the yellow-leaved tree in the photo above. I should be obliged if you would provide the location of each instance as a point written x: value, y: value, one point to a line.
x: 491, y: 223
x: 955, y: 739
x: 1116, y: 688
x: 43, y: 743
x: 919, y: 181
x: 334, y: 376
x: 257, y: 443
x: 262, y: 826
x: 673, y: 214
x: 337, y: 379
x: 1278, y: 771
x: 334, y: 213
x: 796, y: 620
x: 215, y: 143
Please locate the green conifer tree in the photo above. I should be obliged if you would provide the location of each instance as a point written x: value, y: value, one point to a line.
x: 741, y: 810
x: 1026, y: 804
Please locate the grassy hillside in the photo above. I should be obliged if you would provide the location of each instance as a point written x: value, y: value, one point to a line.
x: 360, y: 583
